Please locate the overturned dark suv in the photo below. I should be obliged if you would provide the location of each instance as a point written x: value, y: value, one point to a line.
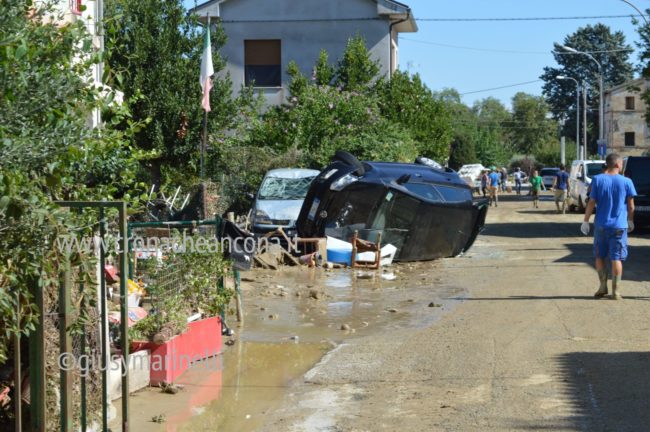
x: 424, y: 210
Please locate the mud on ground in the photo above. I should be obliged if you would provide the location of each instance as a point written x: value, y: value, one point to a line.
x: 506, y: 338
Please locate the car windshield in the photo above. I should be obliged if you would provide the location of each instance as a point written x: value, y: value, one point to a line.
x: 594, y: 169
x: 276, y: 188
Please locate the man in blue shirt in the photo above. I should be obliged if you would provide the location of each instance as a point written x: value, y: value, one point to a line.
x: 561, y: 186
x: 493, y: 181
x: 613, y: 197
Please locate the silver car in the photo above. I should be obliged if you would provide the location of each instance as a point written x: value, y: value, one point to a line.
x: 279, y: 199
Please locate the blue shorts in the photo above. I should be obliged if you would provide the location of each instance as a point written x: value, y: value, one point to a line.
x: 610, y: 242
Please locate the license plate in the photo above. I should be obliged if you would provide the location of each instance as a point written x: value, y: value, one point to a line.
x: 314, y: 208
x: 642, y: 208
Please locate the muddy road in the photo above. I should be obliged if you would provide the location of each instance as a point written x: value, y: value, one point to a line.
x: 505, y: 338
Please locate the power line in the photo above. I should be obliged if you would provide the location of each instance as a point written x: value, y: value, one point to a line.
x: 505, y: 51
x: 557, y: 18
x: 502, y: 87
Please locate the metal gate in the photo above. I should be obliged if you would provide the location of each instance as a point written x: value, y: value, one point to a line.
x: 72, y: 354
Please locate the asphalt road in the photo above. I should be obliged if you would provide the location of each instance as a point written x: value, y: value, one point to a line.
x: 529, y: 349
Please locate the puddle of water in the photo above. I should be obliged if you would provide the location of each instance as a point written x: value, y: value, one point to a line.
x: 233, y: 391
x: 368, y: 305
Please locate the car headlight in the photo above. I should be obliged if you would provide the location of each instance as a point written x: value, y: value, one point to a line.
x: 343, y: 182
x: 262, y: 218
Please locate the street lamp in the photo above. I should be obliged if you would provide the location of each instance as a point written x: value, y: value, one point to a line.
x: 562, y: 77
x: 601, y: 111
x: 637, y: 9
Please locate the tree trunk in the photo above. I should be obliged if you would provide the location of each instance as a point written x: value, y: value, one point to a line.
x: 156, y: 173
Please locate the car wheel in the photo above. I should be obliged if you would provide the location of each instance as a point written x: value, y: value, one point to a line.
x: 581, y: 205
x: 349, y: 159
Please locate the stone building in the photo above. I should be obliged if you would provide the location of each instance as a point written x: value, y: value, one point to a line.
x: 626, y: 128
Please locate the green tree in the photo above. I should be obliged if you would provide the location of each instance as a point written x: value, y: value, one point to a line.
x: 48, y: 153
x: 323, y: 72
x: 356, y: 69
x: 462, y: 151
x: 607, y: 47
x: 530, y: 127
x: 406, y: 100
x: 493, y: 145
x: 155, y: 50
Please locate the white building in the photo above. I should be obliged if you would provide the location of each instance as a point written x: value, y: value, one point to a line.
x: 265, y: 35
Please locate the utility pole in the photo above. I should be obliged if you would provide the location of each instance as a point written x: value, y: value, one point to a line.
x: 562, y: 141
x: 583, y: 149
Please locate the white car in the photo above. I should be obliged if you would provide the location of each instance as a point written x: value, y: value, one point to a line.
x: 279, y: 199
x: 471, y: 174
x: 582, y: 171
x: 548, y: 176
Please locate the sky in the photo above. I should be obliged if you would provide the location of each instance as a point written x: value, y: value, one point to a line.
x: 473, y: 70
x: 428, y: 53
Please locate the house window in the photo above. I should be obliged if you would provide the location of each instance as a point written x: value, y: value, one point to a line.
x: 629, y: 139
x: 262, y: 60
x: 629, y: 103
x: 75, y: 7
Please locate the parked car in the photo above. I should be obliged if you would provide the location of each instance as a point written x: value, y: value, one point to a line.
x: 425, y: 212
x: 637, y: 168
x: 471, y: 174
x: 548, y: 176
x: 279, y: 199
x: 582, y: 171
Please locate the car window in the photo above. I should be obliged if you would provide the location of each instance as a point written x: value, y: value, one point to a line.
x: 454, y: 194
x: 397, y: 211
x: 424, y: 190
x: 275, y: 188
x: 548, y: 172
x: 594, y: 169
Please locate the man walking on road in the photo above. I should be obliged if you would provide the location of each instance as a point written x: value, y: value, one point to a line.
x: 519, y: 179
x: 561, y: 186
x: 493, y: 186
x: 504, y: 179
x: 613, y: 197
x: 536, y: 185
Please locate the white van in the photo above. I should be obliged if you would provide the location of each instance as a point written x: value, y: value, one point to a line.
x: 582, y: 171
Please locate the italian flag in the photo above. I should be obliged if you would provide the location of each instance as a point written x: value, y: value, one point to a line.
x: 207, y: 69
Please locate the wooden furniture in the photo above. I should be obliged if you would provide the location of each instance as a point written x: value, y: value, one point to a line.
x: 361, y: 246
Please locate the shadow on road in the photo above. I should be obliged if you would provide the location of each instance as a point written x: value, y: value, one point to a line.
x: 635, y: 268
x: 532, y: 230
x: 607, y: 391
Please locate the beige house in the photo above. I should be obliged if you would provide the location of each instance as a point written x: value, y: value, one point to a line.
x: 626, y: 127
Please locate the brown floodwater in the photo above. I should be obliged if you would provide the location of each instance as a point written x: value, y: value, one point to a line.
x: 291, y: 319
x: 231, y: 392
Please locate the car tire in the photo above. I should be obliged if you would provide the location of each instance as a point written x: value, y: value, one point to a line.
x: 349, y: 159
x: 581, y: 205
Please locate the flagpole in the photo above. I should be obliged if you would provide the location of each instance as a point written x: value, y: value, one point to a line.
x: 204, y: 134
x: 204, y: 140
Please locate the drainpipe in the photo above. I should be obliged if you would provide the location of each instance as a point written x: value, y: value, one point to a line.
x: 391, y: 64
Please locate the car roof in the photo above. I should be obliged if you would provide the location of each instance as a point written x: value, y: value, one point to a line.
x: 292, y: 173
